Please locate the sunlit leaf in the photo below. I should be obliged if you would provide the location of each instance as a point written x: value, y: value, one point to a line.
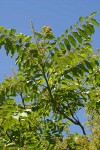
x: 92, y: 14
x: 67, y: 44
x: 91, y: 27
x: 78, y: 37
x: 93, y: 21
x: 81, y: 19
x: 88, y: 64
x: 87, y: 29
x: 82, y: 33
x: 72, y: 40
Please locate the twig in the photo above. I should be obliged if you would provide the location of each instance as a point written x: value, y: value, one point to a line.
x: 22, y: 100
x: 9, y: 136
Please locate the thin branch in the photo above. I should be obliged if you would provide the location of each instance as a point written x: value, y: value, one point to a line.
x: 9, y: 136
x: 65, y: 116
x: 78, y: 123
x: 29, y: 126
x: 23, y: 102
x: 75, y: 121
x: 71, y: 112
x: 47, y: 83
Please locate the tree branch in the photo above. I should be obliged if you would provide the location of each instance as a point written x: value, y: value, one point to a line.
x: 75, y: 121
x: 22, y: 100
x: 9, y: 136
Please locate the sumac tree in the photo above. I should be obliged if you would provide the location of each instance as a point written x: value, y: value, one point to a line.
x: 56, y: 77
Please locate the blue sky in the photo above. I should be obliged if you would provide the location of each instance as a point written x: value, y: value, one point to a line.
x: 59, y: 14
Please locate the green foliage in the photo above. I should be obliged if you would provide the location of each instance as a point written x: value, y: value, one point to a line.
x: 56, y: 78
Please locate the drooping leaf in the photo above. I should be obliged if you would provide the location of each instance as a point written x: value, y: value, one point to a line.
x: 2, y: 38
x: 1, y: 29
x: 94, y: 22
x: 66, y: 32
x: 78, y: 37
x: 67, y: 44
x: 91, y: 27
x: 92, y: 14
x: 81, y: 19
x: 87, y: 29
x: 62, y: 36
x: 61, y: 45
x: 82, y: 33
x: 88, y: 65
x: 72, y: 40
x: 13, y: 31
